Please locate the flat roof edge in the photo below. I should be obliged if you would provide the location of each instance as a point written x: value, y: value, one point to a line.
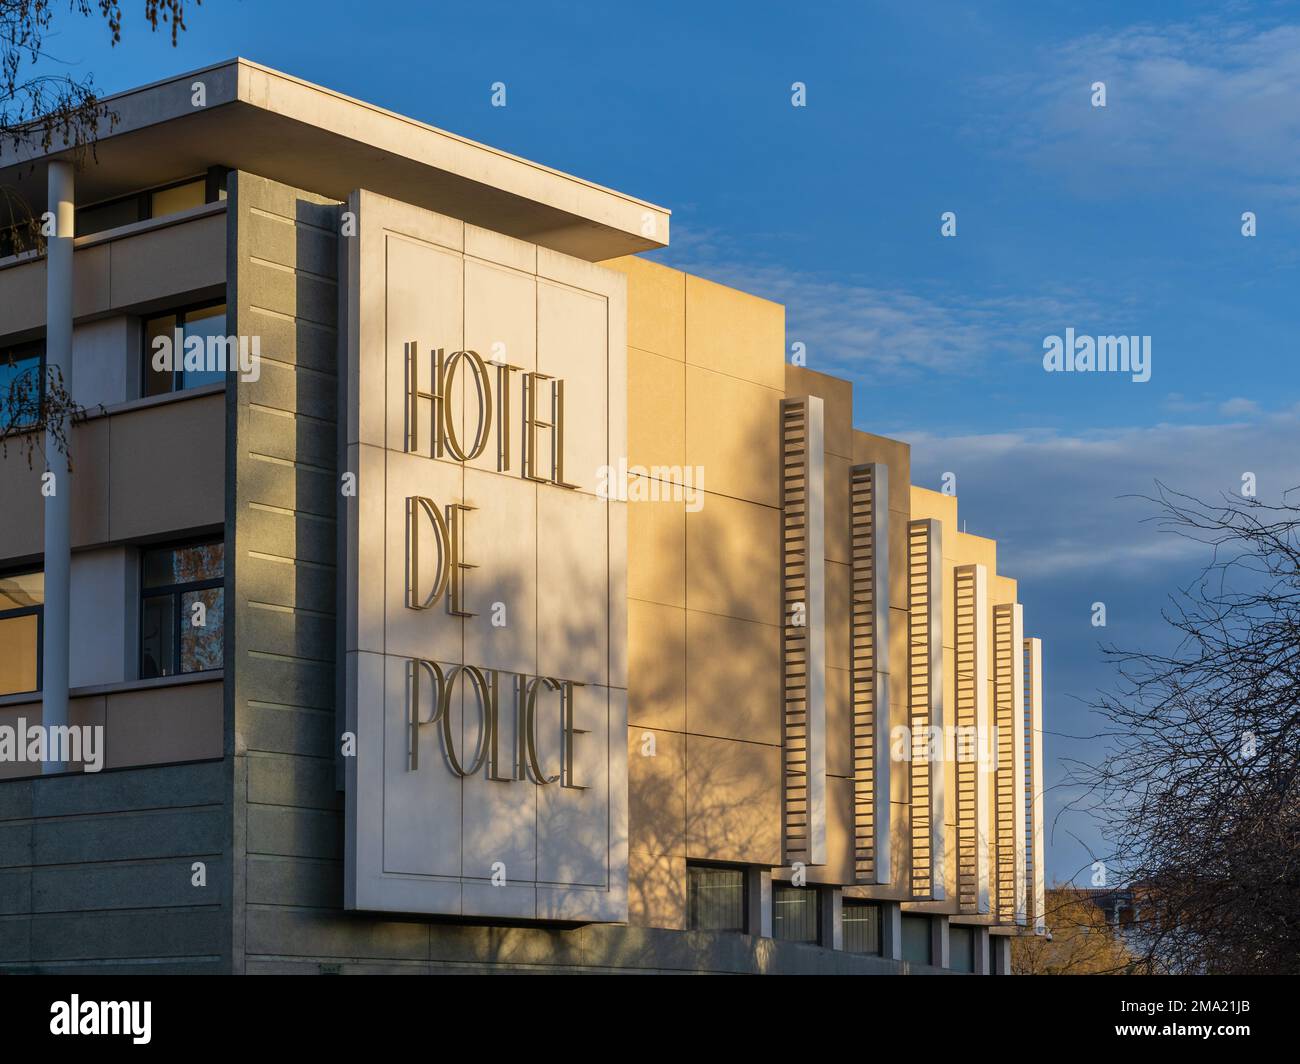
x: 260, y: 99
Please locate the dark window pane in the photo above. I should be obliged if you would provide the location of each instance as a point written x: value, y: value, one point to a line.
x: 715, y: 898
x: 961, y: 948
x: 916, y: 938
x: 201, y: 645
x: 206, y: 323
x: 105, y: 216
x: 158, y: 637
x: 794, y: 913
x: 19, y: 649
x: 861, y: 928
x: 157, y: 376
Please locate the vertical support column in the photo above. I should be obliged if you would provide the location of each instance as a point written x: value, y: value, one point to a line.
x: 758, y: 900
x: 940, y: 951
x: 830, y: 907
x: 58, y: 501
x: 982, y: 957
x: 869, y: 657
x: 803, y: 577
x: 925, y: 712
x: 891, y: 930
x: 1035, y: 871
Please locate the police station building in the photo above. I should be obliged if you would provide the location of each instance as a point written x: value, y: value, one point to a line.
x: 425, y: 581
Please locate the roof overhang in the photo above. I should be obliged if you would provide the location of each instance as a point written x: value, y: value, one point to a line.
x: 268, y: 123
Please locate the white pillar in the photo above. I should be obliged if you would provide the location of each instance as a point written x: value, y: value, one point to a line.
x: 58, y: 494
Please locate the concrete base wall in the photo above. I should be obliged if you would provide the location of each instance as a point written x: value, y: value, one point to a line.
x: 592, y: 949
x: 97, y: 872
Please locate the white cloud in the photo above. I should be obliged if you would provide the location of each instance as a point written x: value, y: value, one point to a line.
x: 1060, y: 505
x: 855, y: 329
x: 1220, y: 96
x: 1238, y: 407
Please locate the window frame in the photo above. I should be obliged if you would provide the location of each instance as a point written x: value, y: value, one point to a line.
x: 176, y: 592
x: 966, y: 933
x: 848, y: 904
x: 28, y: 611
x: 146, y: 353
x: 819, y: 917
x: 6, y: 351
x: 720, y: 866
x: 214, y: 180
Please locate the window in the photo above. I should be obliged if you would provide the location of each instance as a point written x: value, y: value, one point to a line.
x: 22, y: 608
x: 175, y: 636
x: 154, y: 203
x: 916, y: 938
x: 715, y: 898
x: 161, y: 375
x: 22, y: 384
x: 177, y: 198
x: 961, y: 948
x: 861, y: 927
x: 794, y: 913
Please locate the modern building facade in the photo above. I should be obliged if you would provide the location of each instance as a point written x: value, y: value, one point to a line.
x: 432, y: 582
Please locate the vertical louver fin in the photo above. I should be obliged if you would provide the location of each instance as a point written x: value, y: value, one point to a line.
x: 1035, y: 873
x: 971, y: 641
x: 803, y: 594
x: 1009, y: 695
x: 925, y: 706
x: 869, y: 648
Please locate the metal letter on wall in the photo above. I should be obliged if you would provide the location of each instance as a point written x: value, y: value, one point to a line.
x: 1035, y: 886
x: 1009, y: 708
x: 925, y: 706
x: 971, y: 641
x: 869, y: 656
x: 803, y: 588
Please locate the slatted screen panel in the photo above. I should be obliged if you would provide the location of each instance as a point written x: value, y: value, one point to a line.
x: 925, y: 704
x: 1009, y: 708
x: 971, y: 687
x: 803, y: 576
x: 868, y: 634
x: 794, y: 594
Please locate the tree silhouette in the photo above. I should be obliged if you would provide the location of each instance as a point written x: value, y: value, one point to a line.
x: 1199, y: 792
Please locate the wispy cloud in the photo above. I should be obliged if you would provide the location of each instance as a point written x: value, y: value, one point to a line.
x: 1061, y: 505
x: 1219, y: 95
x: 853, y: 328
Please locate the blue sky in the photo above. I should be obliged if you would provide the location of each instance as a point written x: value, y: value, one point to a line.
x: 1117, y: 220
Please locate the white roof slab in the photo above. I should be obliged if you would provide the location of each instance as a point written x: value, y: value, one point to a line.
x: 281, y: 127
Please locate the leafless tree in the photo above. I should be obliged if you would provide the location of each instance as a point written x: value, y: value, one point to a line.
x: 1199, y: 791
